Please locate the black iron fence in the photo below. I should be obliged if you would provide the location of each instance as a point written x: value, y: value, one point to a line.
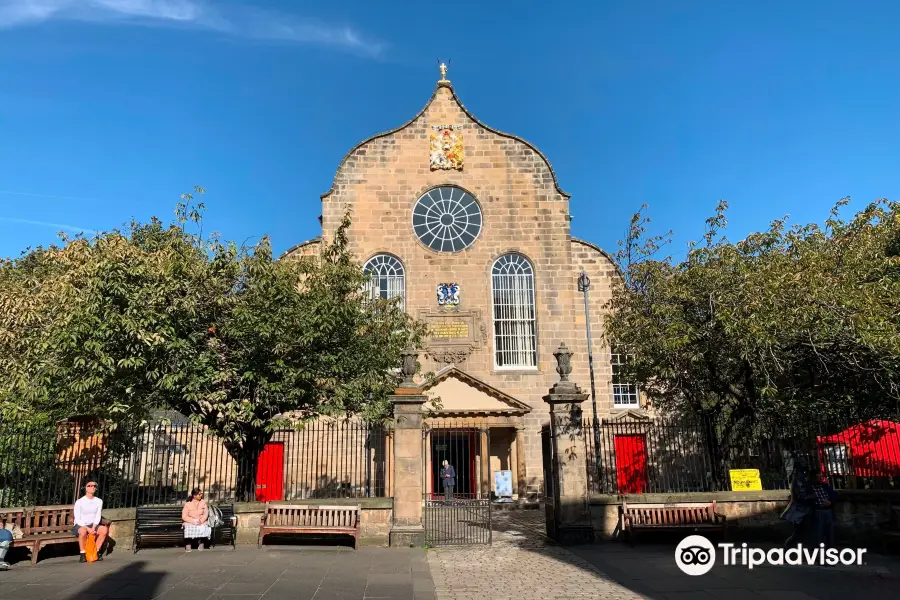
x: 665, y: 455
x: 160, y: 463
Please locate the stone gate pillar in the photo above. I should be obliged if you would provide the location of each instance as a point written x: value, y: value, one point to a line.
x: 570, y: 514
x: 407, y: 528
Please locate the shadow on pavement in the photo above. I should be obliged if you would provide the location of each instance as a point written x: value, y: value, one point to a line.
x: 648, y: 569
x: 132, y: 580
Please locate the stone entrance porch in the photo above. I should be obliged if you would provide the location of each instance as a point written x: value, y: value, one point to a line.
x: 476, y: 426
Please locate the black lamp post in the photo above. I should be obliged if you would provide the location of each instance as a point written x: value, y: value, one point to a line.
x: 584, y: 284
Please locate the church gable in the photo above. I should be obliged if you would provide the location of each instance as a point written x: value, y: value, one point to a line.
x: 460, y: 393
x: 445, y: 143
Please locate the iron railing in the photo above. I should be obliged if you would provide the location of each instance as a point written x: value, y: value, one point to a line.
x: 160, y: 463
x: 666, y: 455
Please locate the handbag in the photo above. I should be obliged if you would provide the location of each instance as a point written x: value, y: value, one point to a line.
x: 90, y: 548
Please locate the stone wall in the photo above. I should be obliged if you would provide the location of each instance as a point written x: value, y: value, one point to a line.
x: 860, y: 515
x: 524, y: 210
x: 375, y: 521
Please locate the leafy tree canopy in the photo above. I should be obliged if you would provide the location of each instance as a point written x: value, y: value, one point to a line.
x: 159, y: 316
x: 788, y: 325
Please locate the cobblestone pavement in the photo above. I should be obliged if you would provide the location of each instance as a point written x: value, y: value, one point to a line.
x: 273, y: 573
x: 520, y: 565
x: 523, y: 565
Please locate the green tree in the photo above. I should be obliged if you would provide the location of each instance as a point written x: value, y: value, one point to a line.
x: 786, y: 326
x: 158, y: 316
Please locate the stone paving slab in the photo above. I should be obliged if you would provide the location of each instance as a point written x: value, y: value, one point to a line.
x: 273, y: 573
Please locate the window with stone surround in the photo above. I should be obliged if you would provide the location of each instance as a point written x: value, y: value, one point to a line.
x: 447, y: 219
x: 386, y: 278
x: 625, y: 394
x: 515, y: 330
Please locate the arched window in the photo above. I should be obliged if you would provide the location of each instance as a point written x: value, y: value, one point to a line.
x: 515, y: 330
x: 386, y: 278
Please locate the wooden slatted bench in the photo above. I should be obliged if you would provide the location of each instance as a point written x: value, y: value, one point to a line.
x: 163, y: 525
x: 41, y: 526
x: 310, y: 519
x: 693, y: 516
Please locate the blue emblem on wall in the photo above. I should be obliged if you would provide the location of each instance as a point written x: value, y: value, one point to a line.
x: 448, y: 294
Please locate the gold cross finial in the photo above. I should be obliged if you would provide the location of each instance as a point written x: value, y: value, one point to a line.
x: 443, y: 82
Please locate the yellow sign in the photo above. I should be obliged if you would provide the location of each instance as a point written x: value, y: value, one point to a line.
x: 450, y: 330
x: 745, y: 480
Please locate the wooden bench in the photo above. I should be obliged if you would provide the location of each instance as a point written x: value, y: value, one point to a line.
x: 692, y: 516
x: 163, y: 525
x: 41, y: 526
x: 311, y: 519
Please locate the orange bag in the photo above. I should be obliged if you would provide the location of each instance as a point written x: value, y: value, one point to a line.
x: 90, y: 548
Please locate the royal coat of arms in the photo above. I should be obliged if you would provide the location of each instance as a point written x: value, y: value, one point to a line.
x: 448, y: 294
x: 446, y: 148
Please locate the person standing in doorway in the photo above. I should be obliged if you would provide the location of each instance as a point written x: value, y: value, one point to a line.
x: 88, y: 520
x: 448, y: 480
x: 195, y: 517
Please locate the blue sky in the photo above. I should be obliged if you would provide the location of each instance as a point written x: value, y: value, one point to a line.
x: 109, y: 109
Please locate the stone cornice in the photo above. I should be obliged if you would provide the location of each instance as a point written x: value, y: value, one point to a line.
x: 296, y: 247
x: 601, y: 251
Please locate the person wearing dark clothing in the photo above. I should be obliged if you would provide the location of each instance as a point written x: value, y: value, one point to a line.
x: 825, y: 499
x: 800, y: 509
x: 448, y: 480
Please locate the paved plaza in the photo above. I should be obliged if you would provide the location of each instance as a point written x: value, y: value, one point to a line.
x: 520, y: 565
x: 523, y: 565
x: 273, y: 573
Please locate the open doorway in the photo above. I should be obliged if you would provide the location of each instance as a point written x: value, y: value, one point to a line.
x: 458, y: 448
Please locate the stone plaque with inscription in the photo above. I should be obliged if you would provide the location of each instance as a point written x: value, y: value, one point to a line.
x: 452, y: 337
x: 450, y: 330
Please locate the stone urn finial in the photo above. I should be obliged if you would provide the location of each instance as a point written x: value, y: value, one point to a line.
x: 409, y: 365
x: 563, y: 361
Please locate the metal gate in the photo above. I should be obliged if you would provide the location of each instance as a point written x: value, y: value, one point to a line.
x: 458, y: 522
x: 457, y: 503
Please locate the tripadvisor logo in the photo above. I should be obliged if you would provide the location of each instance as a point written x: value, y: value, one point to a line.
x: 696, y: 555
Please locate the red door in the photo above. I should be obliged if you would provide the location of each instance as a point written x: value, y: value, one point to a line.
x: 631, y: 463
x: 270, y: 473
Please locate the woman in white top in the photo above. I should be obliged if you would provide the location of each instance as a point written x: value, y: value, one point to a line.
x: 87, y: 520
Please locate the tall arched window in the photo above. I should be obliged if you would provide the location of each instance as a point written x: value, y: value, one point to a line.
x: 386, y: 278
x: 515, y: 330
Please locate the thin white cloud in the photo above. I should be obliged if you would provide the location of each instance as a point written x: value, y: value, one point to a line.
x: 32, y: 195
x: 231, y: 19
x: 58, y: 226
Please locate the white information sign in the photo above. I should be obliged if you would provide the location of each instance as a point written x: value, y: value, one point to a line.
x: 503, y: 483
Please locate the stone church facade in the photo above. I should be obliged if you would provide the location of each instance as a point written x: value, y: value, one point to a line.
x: 472, y: 228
